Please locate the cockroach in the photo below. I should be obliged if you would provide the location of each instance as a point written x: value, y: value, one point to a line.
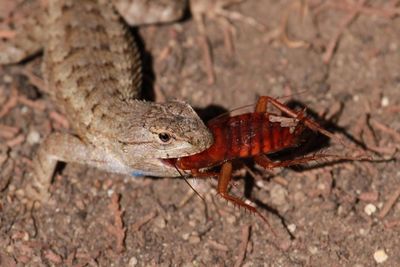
x: 254, y: 135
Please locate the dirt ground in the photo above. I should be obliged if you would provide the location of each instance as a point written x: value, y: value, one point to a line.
x: 340, y: 214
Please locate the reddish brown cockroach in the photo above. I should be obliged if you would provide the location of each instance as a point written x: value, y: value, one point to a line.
x: 250, y: 135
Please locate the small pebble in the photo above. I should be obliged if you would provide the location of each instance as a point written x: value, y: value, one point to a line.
x: 194, y: 239
x: 231, y: 219
x: 362, y: 231
x: 385, y: 101
x: 313, y: 250
x: 185, y: 236
x: 160, y: 222
x: 24, y: 110
x: 299, y: 197
x: 278, y: 195
x: 285, y: 245
x: 291, y: 227
x: 25, y: 236
x: 110, y: 192
x: 260, y: 184
x: 340, y: 210
x: 33, y: 138
x: 7, y: 78
x: 132, y: 262
x: 393, y: 47
x: 380, y: 256
x: 369, y: 209
x: 248, y: 264
x: 10, y: 249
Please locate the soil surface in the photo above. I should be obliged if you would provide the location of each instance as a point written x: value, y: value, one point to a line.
x: 338, y: 214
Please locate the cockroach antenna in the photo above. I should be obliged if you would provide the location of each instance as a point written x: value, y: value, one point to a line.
x: 184, y: 178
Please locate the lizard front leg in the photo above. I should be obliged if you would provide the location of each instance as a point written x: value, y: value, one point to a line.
x: 65, y: 147
x: 56, y: 147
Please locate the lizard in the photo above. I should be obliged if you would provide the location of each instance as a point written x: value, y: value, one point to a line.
x: 92, y: 67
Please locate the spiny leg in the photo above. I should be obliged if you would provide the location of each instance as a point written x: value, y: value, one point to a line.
x: 198, y: 174
x: 222, y: 189
x: 262, y: 107
x: 208, y: 174
x: 299, y: 115
x: 266, y: 163
x: 262, y: 104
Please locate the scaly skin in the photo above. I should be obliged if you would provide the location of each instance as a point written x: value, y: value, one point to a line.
x: 92, y: 68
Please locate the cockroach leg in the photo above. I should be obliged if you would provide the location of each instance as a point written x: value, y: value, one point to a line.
x: 266, y: 163
x: 222, y: 189
x: 198, y: 174
x: 262, y: 107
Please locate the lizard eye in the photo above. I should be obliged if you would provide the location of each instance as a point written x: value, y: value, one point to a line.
x: 164, y: 137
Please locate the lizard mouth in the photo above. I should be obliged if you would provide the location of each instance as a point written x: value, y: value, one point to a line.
x: 169, y: 162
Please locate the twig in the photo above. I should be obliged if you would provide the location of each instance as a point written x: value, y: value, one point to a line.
x: 344, y: 23
x: 145, y: 219
x: 369, y: 196
x: 11, y: 103
x: 199, y: 18
x: 284, y: 24
x: 86, y: 259
x: 16, y: 141
x: 37, y: 104
x: 70, y: 258
x: 186, y: 198
x: 393, y: 109
x: 6, y: 34
x: 386, y: 129
x: 53, y: 257
x: 243, y: 245
x: 35, y: 80
x: 382, y: 150
x: 118, y: 229
x: 391, y: 224
x: 281, y: 181
x: 389, y: 203
x: 60, y: 119
x: 388, y: 12
x: 8, y: 132
x: 217, y: 245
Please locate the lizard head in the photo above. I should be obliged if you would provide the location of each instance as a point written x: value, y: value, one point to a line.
x: 167, y: 130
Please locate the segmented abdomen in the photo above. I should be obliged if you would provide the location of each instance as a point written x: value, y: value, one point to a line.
x: 243, y: 136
